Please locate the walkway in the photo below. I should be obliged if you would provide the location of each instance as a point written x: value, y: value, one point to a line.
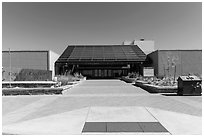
x: 100, y: 101
x: 105, y: 87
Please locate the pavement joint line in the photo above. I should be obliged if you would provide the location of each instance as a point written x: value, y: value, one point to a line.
x: 86, y: 118
x: 71, y: 86
x: 157, y: 119
x: 141, y: 127
x: 126, y: 133
x: 109, y: 94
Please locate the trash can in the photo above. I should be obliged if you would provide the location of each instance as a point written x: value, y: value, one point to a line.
x: 189, y: 85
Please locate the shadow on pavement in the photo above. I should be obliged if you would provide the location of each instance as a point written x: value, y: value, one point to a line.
x: 174, y: 94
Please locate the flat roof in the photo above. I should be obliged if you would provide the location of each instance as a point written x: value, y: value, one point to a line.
x: 78, y: 53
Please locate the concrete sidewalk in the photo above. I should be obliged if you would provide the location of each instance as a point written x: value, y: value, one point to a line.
x: 100, y: 101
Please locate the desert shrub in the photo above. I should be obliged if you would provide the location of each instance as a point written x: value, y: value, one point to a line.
x: 65, y: 79
x: 166, y: 81
x: 34, y: 75
x: 6, y: 75
x: 133, y: 75
x: 77, y: 75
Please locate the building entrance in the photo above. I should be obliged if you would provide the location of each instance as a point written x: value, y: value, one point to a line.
x: 102, y: 70
x: 104, y: 73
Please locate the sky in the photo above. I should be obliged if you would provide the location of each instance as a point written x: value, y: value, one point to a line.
x: 54, y: 26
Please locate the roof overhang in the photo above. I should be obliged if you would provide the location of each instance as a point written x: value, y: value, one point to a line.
x: 102, y: 54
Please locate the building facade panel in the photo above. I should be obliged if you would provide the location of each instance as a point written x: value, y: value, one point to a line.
x: 38, y: 60
x: 26, y: 59
x: 147, y: 46
x: 154, y: 61
x: 176, y: 62
x: 192, y: 62
x: 52, y: 58
x: 169, y: 60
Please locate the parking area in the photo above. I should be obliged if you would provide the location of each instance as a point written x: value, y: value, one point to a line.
x: 100, y: 101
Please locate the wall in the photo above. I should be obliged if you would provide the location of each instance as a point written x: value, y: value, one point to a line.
x: 191, y: 62
x: 187, y: 62
x: 166, y: 58
x: 26, y: 59
x: 23, y: 60
x: 154, y: 61
x: 52, y: 58
x: 34, y: 75
x: 146, y: 46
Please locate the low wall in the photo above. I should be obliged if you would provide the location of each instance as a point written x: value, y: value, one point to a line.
x: 128, y: 80
x: 156, y: 89
x: 19, y: 74
x: 31, y: 91
x: 28, y: 84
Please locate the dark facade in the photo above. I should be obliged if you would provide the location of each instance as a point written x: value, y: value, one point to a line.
x: 101, y: 61
x: 176, y: 62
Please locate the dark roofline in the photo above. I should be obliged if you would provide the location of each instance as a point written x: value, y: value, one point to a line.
x: 141, y: 56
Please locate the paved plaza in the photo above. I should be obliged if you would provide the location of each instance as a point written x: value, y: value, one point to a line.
x: 102, y: 101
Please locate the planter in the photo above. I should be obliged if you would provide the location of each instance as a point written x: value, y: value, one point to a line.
x: 31, y: 91
x: 28, y: 84
x: 156, y: 89
x: 128, y: 80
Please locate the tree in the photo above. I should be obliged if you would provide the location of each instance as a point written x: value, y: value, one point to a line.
x: 174, y: 62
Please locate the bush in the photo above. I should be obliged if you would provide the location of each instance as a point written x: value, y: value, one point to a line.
x: 166, y: 81
x: 78, y: 75
x: 65, y: 79
x: 14, y: 73
x: 133, y: 75
x: 34, y: 75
